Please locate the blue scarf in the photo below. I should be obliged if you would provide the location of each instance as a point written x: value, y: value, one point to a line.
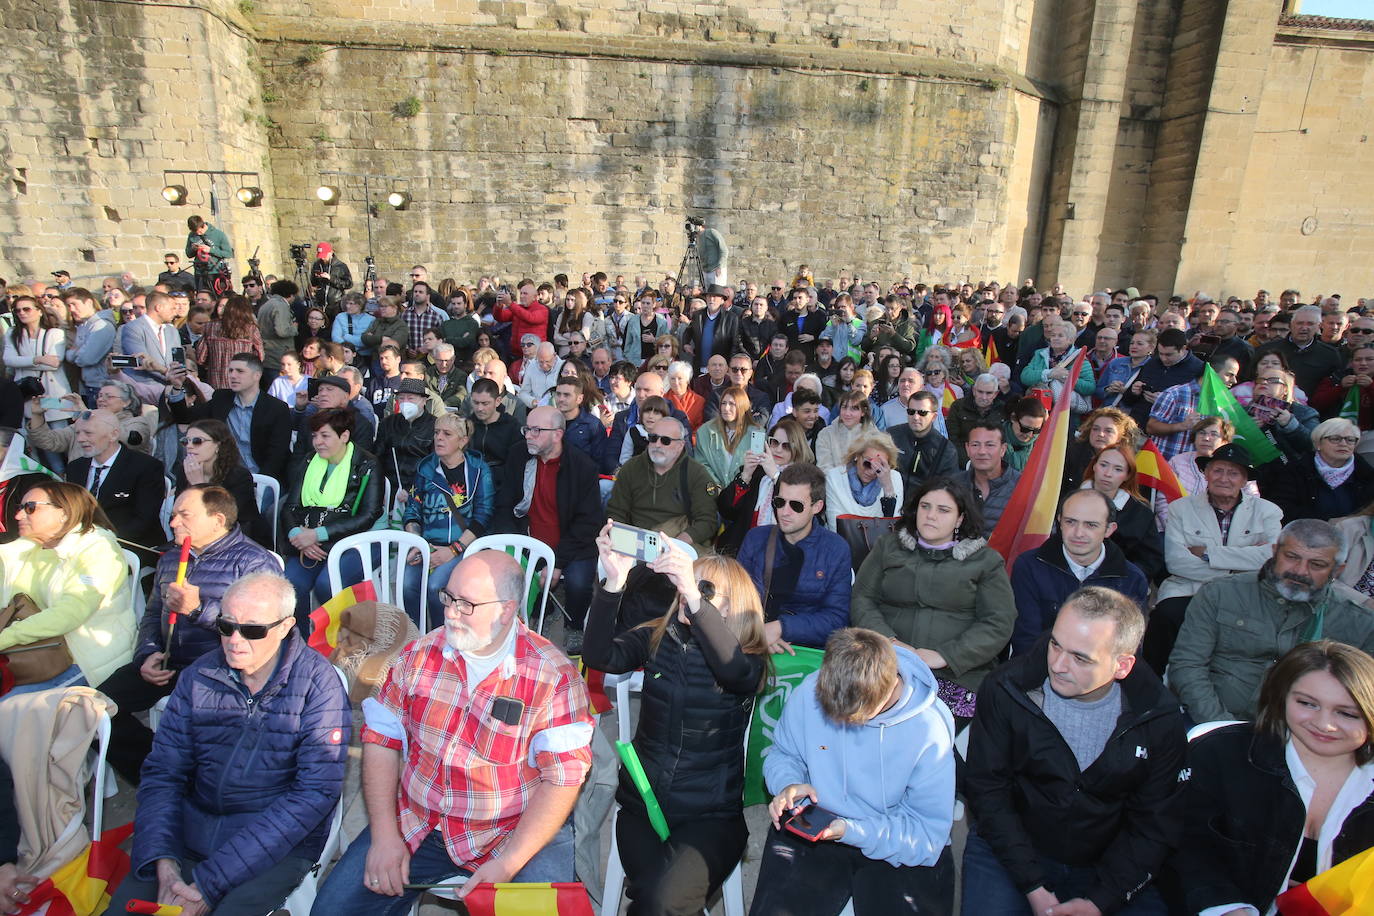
x: 864, y: 494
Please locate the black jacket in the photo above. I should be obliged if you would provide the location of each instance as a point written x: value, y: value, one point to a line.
x: 1157, y: 377
x: 580, y: 516
x: 1244, y: 821
x: 1299, y: 490
x: 1029, y: 799
x: 755, y: 335
x: 1139, y: 539
x: 812, y: 324
x: 725, y: 342
x: 1041, y: 580
x: 131, y: 493
x: 932, y: 455
x: 401, y: 444
x: 363, y: 436
x: 361, y: 506
x: 699, y: 688
x: 269, y: 433
x: 326, y: 293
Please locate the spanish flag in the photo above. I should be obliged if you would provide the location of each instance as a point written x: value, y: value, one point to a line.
x: 1028, y: 519
x: 596, y: 687
x: 324, y: 620
x: 1342, y: 890
x: 990, y: 353
x: 82, y: 886
x: 1153, y: 471
x: 948, y: 400
x: 152, y: 908
x: 528, y: 900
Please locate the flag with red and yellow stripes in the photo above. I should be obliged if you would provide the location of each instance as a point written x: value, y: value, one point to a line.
x: 1345, y: 889
x: 324, y: 636
x: 152, y: 908
x: 1153, y: 471
x: 528, y: 900
x: 82, y: 886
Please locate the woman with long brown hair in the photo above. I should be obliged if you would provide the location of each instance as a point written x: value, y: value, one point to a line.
x: 1113, y: 474
x: 234, y: 332
x: 211, y: 456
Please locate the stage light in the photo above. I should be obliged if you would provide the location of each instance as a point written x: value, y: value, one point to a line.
x: 327, y: 194
x: 249, y: 196
x: 174, y: 194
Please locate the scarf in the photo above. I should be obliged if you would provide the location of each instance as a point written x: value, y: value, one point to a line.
x: 1334, y: 477
x: 326, y: 492
x: 865, y: 494
x: 947, y: 545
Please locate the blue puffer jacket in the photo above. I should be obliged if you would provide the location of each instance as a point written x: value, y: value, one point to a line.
x: 587, y: 433
x: 211, y: 570
x: 242, y: 782
x: 431, y: 500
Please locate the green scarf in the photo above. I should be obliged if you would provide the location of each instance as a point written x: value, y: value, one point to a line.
x: 322, y: 492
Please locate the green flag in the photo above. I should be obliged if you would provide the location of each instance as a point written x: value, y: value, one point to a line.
x: 788, y: 673
x: 630, y: 758
x: 1217, y: 401
x: 1350, y: 407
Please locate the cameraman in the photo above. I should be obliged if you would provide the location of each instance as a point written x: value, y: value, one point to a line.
x: 208, y: 248
x: 330, y: 279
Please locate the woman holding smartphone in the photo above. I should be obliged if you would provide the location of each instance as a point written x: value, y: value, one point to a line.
x: 704, y: 660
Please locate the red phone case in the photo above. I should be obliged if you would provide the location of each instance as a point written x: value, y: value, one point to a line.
x: 809, y: 822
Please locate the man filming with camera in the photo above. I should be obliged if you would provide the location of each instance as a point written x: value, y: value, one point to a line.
x: 209, y: 250
x: 329, y: 279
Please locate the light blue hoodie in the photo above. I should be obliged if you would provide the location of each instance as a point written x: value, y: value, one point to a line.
x: 891, y: 779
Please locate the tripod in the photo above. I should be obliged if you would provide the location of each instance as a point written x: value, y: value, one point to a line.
x: 690, y: 261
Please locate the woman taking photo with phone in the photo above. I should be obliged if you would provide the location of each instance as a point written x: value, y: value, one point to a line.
x: 704, y: 662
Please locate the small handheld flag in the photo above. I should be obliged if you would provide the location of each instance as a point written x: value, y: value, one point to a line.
x: 1345, y: 889
x: 1154, y: 471
x: 1217, y: 401
x: 325, y: 619
x: 630, y: 758
x: 151, y: 908
x: 180, y: 580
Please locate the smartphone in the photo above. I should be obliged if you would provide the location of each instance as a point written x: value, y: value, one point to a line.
x: 756, y: 437
x: 312, y: 387
x: 810, y: 821
x: 635, y: 542
x: 179, y: 356
x: 123, y: 362
x: 54, y: 404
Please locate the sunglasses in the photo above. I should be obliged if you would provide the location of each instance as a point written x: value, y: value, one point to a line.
x: 775, y: 442
x: 912, y: 412
x: 29, y: 507
x: 796, y: 505
x: 868, y: 464
x: 249, y: 630
x: 1027, y: 430
x: 1082, y: 314
x: 662, y: 440
x: 1360, y: 331
x: 197, y: 441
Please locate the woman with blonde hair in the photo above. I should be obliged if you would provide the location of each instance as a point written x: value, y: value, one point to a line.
x: 705, y: 659
x: 864, y: 483
x: 723, y: 440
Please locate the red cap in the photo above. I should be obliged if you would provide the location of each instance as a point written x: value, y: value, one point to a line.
x: 324, y: 248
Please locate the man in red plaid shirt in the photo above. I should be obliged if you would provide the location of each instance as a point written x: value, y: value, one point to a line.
x: 473, y: 754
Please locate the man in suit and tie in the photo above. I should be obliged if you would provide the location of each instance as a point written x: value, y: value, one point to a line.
x: 153, y: 337
x: 260, y: 423
x: 128, y: 485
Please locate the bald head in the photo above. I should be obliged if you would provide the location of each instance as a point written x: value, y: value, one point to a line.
x: 97, y: 434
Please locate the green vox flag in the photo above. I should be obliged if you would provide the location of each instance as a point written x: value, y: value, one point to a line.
x: 1350, y: 407
x: 788, y: 673
x: 1215, y: 400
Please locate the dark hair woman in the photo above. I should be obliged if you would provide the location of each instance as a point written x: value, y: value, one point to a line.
x: 236, y: 331
x: 211, y: 455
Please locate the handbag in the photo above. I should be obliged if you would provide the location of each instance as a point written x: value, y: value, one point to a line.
x: 862, y: 532
x: 35, y: 662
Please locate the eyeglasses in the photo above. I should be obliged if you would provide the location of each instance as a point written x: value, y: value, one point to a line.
x: 249, y: 630
x: 24, y: 309
x: 796, y: 505
x: 28, y: 507
x: 170, y: 263
x: 913, y: 412
x: 463, y: 605
x: 931, y: 372
x: 248, y: 283
x: 1343, y: 440
x: 1082, y: 314
x: 775, y: 442
x: 526, y: 430
x: 1028, y: 430
x: 50, y: 296
x: 662, y: 440
x: 196, y: 441
x: 665, y: 346
x: 1360, y: 331
x: 741, y: 369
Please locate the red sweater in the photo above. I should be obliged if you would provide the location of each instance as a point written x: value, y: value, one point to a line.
x: 533, y: 319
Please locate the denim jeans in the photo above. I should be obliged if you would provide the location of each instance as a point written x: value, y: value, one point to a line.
x: 579, y: 580
x: 433, y: 609
x: 344, y: 893
x: 72, y: 677
x: 989, y: 890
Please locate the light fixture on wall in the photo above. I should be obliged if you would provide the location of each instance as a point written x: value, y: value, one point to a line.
x: 327, y: 193
x: 174, y: 187
x: 249, y: 196
x: 174, y: 194
x: 396, y: 198
x: 399, y: 200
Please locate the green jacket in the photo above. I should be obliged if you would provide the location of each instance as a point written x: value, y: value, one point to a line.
x: 956, y: 602
x: 646, y: 499
x: 1236, y: 628
x: 1018, y: 452
x: 711, y: 452
x: 395, y: 328
x: 218, y: 243
x: 462, y: 333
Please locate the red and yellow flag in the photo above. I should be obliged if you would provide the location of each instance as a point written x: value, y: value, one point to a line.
x: 596, y: 687
x: 1342, y: 890
x: 82, y: 886
x: 990, y: 353
x: 947, y: 401
x: 1028, y: 519
x: 325, y: 619
x: 528, y: 900
x: 152, y: 908
x: 1153, y: 471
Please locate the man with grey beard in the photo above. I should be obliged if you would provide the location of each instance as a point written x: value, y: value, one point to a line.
x: 665, y: 489
x: 1237, y: 625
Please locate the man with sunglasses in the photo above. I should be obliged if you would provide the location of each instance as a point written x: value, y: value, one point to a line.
x: 801, y: 569
x: 922, y: 452
x: 665, y: 489
x: 237, y: 795
x: 221, y: 554
x: 175, y: 275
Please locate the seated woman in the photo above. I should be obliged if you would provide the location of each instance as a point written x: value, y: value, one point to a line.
x: 247, y: 766
x: 137, y: 427
x: 1103, y: 427
x: 339, y: 493
x: 212, y: 456
x: 870, y: 711
x: 746, y: 500
x: 316, y: 328
x: 292, y: 381
x: 350, y: 324
x: 864, y: 483
x: 450, y: 506
x: 1330, y: 482
x: 666, y: 346
x: 651, y: 411
x: 724, y: 440
x: 704, y: 661
x: 933, y: 584
x: 1113, y: 474
x: 67, y: 560
x: 1269, y: 361
x: 855, y: 420
x: 1271, y: 804
x: 679, y: 394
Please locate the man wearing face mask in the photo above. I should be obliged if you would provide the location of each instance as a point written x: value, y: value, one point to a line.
x: 406, y: 436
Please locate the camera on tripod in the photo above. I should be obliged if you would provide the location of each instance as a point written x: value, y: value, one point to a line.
x: 693, y: 225
x: 299, y: 252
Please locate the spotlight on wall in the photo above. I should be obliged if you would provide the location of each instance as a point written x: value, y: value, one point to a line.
x: 327, y: 194
x: 174, y: 194
x: 249, y: 196
x: 399, y: 200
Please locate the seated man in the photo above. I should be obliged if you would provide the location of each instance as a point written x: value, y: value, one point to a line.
x: 128, y: 484
x: 1078, y: 553
x: 871, y: 709
x: 989, y: 478
x: 922, y: 452
x: 801, y: 568
x: 1236, y: 626
x: 247, y: 765
x: 406, y: 436
x: 333, y: 394
x: 221, y: 554
x: 255, y: 419
x: 1076, y: 766
x: 473, y: 754
x: 665, y: 489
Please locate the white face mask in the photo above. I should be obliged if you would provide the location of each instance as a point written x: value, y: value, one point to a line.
x: 409, y: 410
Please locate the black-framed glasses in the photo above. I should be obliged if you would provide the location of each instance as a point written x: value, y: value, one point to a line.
x: 1082, y: 314
x: 196, y: 441
x: 526, y: 430
x: 249, y: 630
x: 796, y: 505
x: 775, y: 442
x: 463, y: 605
x: 1028, y: 430
x: 914, y: 412
x: 661, y: 439
x: 1360, y: 331
x: 1343, y: 440
x: 741, y: 369
x: 28, y: 507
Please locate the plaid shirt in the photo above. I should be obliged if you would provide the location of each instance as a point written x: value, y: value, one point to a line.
x: 418, y: 321
x: 1172, y: 406
x: 464, y: 771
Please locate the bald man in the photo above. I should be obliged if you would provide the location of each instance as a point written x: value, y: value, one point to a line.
x: 128, y: 485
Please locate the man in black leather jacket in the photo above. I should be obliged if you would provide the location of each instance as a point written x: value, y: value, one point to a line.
x: 329, y: 280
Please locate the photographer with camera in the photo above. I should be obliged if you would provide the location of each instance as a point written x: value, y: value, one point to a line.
x: 209, y: 250
x: 330, y: 278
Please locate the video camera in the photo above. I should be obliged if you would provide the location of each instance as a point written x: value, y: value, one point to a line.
x: 693, y: 225
x: 299, y: 252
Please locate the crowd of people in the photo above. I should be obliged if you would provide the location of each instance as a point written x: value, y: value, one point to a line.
x: 824, y: 464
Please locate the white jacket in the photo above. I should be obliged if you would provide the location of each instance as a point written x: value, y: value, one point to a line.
x: 839, y: 498
x: 535, y: 383
x: 1193, y: 523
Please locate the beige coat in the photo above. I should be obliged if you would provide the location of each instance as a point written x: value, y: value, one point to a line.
x: 1254, y: 530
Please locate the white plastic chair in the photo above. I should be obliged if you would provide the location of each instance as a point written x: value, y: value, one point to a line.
x: 264, y: 485
x: 165, y: 513
x: 101, y: 773
x: 1202, y: 728
x: 531, y: 552
x: 135, y: 567
x: 389, y: 574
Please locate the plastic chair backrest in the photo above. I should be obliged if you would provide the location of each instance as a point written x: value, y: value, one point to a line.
x: 136, y: 600
x: 389, y: 575
x: 531, y: 553
x: 1202, y: 728
x: 264, y: 485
